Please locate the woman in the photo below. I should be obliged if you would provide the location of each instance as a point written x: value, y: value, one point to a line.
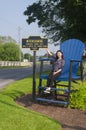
x: 56, y: 69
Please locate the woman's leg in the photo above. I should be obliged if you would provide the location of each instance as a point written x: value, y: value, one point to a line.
x: 51, y: 79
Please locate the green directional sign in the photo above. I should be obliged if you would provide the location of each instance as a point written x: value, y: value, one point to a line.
x: 34, y: 42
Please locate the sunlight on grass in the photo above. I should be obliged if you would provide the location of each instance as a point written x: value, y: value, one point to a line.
x: 15, y: 117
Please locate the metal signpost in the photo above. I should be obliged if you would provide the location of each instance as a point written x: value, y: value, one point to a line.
x: 34, y: 43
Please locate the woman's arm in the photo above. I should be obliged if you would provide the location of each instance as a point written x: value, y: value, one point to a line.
x: 48, y: 51
x: 54, y: 73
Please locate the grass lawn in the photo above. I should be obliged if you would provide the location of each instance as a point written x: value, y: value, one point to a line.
x: 15, y: 117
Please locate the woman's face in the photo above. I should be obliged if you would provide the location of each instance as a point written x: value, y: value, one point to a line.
x: 59, y: 54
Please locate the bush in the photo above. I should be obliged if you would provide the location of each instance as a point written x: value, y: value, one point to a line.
x: 78, y: 98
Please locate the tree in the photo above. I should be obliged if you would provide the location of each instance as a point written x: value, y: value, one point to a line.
x: 10, y: 52
x: 59, y: 19
x: 27, y: 56
x: 1, y: 51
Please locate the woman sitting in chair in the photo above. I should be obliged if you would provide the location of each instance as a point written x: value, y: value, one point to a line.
x: 56, y: 69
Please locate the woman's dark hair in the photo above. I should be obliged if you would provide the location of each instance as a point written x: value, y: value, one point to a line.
x: 57, y: 56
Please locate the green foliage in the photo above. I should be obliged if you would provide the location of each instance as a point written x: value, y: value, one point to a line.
x: 9, y: 52
x: 60, y: 20
x: 15, y: 117
x: 78, y: 98
x: 27, y: 56
x: 1, y: 51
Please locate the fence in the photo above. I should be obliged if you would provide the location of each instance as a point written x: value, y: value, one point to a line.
x: 15, y: 63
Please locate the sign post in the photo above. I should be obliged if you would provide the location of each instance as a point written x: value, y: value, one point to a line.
x: 34, y: 75
x: 34, y: 43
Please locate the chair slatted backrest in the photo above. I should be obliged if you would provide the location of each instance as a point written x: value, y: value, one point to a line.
x: 72, y: 50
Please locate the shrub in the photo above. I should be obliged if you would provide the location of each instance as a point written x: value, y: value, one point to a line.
x: 78, y: 98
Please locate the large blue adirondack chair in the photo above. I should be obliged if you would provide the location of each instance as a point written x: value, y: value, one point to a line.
x: 72, y: 50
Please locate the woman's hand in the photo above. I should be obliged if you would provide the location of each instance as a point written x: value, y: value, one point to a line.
x: 54, y: 73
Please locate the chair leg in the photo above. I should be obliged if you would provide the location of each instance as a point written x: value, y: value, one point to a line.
x: 69, y: 88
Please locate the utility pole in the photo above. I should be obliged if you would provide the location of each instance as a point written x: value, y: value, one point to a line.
x: 19, y: 41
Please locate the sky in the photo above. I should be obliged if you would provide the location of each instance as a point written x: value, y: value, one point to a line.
x: 12, y: 18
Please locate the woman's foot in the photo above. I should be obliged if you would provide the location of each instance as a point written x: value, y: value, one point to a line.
x: 47, y: 90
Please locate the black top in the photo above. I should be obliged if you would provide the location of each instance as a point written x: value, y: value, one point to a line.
x: 58, y: 64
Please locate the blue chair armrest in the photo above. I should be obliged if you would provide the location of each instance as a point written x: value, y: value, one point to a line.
x: 46, y: 59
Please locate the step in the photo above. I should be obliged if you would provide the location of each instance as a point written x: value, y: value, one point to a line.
x: 52, y: 101
x: 58, y: 89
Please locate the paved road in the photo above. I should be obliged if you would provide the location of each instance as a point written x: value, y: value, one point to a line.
x: 9, y: 75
